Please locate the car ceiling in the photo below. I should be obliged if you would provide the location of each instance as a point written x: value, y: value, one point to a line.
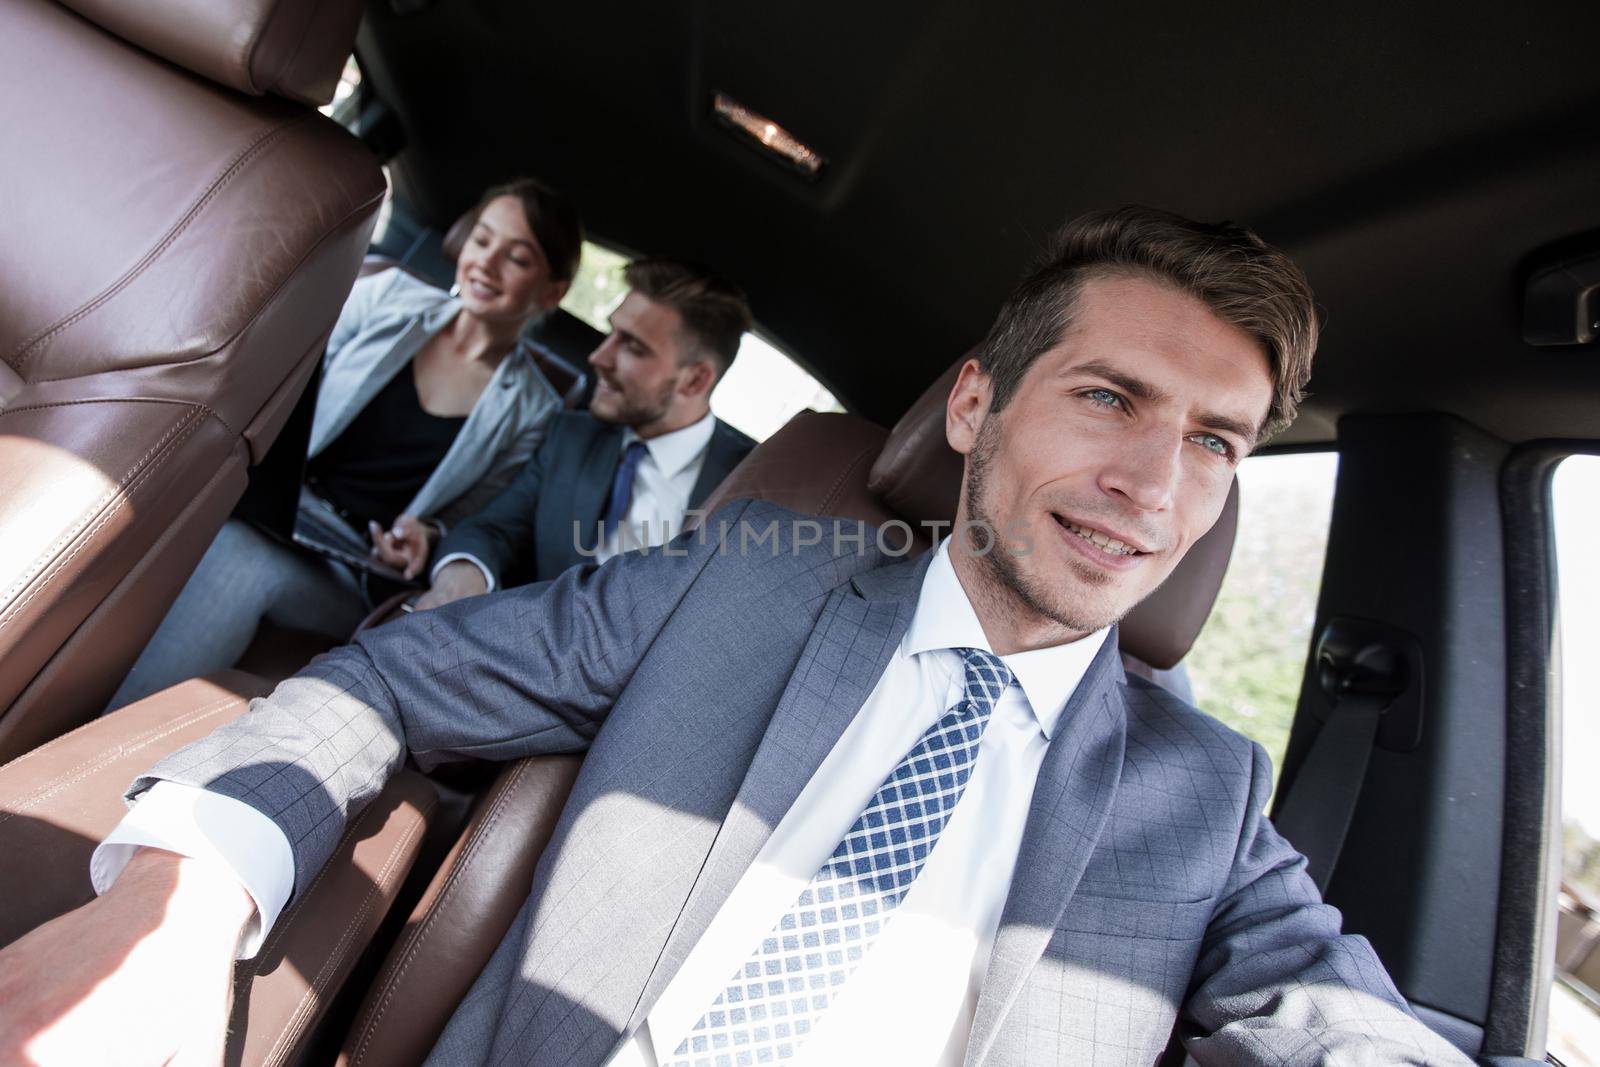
x: 1411, y: 157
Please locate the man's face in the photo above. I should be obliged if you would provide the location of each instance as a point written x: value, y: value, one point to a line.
x: 639, y: 376
x: 1111, y: 459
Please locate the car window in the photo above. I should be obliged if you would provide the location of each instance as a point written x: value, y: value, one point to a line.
x: 349, y: 82
x: 1248, y: 662
x: 763, y: 389
x: 1574, y: 1026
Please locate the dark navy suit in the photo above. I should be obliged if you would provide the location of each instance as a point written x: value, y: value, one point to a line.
x: 525, y: 534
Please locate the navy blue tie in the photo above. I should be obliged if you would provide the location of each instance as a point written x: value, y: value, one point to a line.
x: 622, y: 488
x: 787, y: 984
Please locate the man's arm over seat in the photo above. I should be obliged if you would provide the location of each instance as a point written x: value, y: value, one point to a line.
x: 529, y: 671
x: 1276, y: 982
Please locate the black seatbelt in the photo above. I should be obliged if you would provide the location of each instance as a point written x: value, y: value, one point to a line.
x: 1315, y: 813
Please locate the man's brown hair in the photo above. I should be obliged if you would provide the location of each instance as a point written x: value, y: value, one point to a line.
x: 714, y: 310
x: 1242, y: 279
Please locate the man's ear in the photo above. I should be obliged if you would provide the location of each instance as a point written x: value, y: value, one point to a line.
x: 967, y: 407
x: 698, y: 378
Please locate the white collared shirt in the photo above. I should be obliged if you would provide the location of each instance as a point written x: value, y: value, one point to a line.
x: 662, y: 485
x: 912, y: 999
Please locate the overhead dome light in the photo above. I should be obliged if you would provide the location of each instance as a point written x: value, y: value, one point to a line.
x: 766, y: 135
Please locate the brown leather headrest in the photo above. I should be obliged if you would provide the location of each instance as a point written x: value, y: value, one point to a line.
x: 918, y: 475
x: 292, y: 48
x: 1163, y: 628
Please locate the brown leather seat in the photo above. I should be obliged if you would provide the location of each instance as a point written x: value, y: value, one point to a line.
x: 59, y: 801
x: 818, y: 464
x: 181, y: 230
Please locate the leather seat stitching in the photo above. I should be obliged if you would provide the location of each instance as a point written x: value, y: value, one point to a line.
x: 108, y: 757
x: 452, y: 880
x: 319, y: 984
x: 838, y: 484
x: 121, y: 493
x: 89, y: 513
x: 330, y: 232
x: 29, y: 348
x: 67, y: 738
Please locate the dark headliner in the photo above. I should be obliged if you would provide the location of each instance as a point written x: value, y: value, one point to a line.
x: 1409, y: 159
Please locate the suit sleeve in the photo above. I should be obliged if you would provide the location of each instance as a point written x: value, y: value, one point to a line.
x: 1277, y: 983
x: 502, y: 533
x: 524, y: 672
x: 518, y: 454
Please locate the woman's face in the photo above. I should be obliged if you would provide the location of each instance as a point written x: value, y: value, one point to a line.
x: 502, y: 272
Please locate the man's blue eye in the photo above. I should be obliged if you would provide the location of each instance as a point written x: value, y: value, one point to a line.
x: 1213, y: 443
x: 1104, y: 396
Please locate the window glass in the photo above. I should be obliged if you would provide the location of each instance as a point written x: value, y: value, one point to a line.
x: 763, y: 389
x: 349, y: 82
x: 1574, y: 1030
x: 1249, y: 660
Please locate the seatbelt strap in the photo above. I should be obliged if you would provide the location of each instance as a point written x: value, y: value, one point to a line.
x: 1315, y: 815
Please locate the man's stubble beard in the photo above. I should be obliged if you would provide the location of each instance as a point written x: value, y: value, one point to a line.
x: 635, y: 414
x: 1002, y: 568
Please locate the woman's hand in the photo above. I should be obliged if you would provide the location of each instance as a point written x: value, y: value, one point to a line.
x: 406, y: 545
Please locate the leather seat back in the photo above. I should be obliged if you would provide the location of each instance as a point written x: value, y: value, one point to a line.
x: 176, y: 253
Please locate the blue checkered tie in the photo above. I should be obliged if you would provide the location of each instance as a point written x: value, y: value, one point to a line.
x: 770, y: 1006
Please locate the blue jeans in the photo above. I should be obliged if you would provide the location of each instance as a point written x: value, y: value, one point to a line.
x: 244, y: 577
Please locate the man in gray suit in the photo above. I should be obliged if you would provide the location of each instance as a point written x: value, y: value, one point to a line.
x: 836, y: 808
x: 622, y: 474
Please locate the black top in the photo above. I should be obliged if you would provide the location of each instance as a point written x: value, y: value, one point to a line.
x: 374, y: 468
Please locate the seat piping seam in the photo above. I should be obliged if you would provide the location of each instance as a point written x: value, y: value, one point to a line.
x: 107, y: 757
x: 282, y: 1046
x: 28, y: 349
x: 452, y: 881
x: 120, y: 493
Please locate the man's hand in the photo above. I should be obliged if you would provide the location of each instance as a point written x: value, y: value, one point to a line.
x: 141, y: 975
x: 406, y: 545
x: 455, y: 580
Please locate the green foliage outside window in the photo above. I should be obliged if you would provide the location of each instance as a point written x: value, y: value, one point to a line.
x: 1249, y: 660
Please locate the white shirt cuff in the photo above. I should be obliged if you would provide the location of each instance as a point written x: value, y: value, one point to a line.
x: 214, y: 829
x: 474, y: 560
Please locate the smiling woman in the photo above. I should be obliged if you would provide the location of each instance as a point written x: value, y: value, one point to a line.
x: 429, y: 403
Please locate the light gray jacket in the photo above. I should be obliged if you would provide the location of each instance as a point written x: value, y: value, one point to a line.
x: 706, y: 687
x: 386, y: 320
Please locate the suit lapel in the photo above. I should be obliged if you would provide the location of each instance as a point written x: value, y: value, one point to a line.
x: 857, y: 632
x: 592, y: 485
x: 722, y: 455
x: 1071, y: 801
x: 580, y: 498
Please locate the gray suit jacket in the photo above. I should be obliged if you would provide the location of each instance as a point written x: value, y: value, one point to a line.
x: 385, y: 322
x: 706, y: 688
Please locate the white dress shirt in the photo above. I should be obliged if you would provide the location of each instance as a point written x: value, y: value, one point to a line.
x: 912, y: 998
x: 662, y: 484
